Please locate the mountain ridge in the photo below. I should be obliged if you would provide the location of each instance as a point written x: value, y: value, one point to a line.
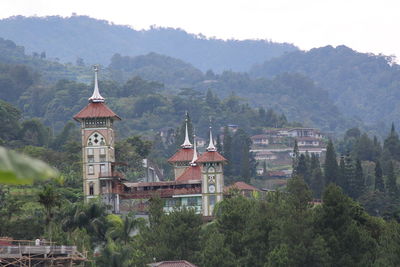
x: 96, y: 41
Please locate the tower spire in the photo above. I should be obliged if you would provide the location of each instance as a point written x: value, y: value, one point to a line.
x: 211, y: 147
x: 193, y: 162
x: 96, y: 97
x: 186, y: 143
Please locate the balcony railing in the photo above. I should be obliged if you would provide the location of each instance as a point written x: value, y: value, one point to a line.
x: 111, y: 174
x: 163, y: 193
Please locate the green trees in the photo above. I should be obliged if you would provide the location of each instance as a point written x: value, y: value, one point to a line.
x: 170, y: 236
x: 241, y: 162
x: 379, y: 184
x: 330, y: 166
x: 391, y: 184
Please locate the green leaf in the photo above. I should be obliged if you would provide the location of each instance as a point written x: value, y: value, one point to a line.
x: 16, y: 168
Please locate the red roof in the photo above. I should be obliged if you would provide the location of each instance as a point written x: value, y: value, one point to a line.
x: 243, y: 186
x: 181, y: 263
x: 96, y: 110
x: 183, y: 154
x: 259, y: 136
x: 211, y: 156
x: 191, y: 173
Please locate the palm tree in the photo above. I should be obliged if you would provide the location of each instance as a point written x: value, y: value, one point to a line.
x: 126, y: 229
x: 49, y: 198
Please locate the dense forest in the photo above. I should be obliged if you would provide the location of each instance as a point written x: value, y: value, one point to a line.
x: 362, y: 85
x: 95, y: 41
x: 54, y: 92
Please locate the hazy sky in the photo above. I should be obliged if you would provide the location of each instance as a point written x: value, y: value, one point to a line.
x: 364, y: 25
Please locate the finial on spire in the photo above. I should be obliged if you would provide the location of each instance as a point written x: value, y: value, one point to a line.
x: 193, y: 162
x: 211, y: 147
x: 96, y: 97
x: 186, y: 143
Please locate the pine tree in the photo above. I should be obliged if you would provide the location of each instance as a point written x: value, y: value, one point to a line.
x: 342, y: 182
x: 301, y: 168
x: 317, y: 183
x: 314, y: 163
x: 359, y: 183
x: 296, y: 156
x: 227, y: 152
x: 330, y: 167
x: 392, y: 144
x: 379, y: 184
x: 265, y: 168
x: 245, y: 164
x: 391, y: 181
x: 316, y: 177
x: 218, y: 144
x: 349, y: 181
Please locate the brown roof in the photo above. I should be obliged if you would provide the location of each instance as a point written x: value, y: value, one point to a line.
x: 259, y: 136
x: 96, y: 110
x: 211, y: 156
x: 307, y: 138
x: 191, y: 173
x: 181, y: 263
x: 183, y: 154
x: 243, y: 186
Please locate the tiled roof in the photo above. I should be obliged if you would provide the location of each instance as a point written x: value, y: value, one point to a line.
x: 181, y: 263
x: 307, y: 138
x: 243, y: 186
x: 183, y: 154
x: 96, y: 110
x: 259, y: 136
x: 191, y: 173
x: 211, y: 156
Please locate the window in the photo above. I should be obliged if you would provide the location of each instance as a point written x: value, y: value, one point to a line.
x: 212, y: 200
x: 96, y: 139
x: 192, y: 201
x: 91, y: 189
x: 90, y: 169
x: 90, y: 159
x: 103, y: 168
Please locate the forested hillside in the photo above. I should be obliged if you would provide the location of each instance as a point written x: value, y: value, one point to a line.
x: 362, y: 85
x: 95, y: 41
x: 147, y: 88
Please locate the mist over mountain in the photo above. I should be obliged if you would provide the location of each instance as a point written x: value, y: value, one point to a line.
x: 96, y: 41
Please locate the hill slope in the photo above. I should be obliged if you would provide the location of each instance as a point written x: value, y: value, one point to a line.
x: 96, y: 41
x: 362, y: 85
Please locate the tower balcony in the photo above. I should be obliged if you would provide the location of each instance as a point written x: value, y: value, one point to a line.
x: 111, y: 175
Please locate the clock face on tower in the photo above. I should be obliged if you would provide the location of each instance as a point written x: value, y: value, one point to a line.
x: 211, y: 188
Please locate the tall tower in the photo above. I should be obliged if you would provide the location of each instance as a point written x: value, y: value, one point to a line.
x: 98, y: 153
x: 182, y: 158
x: 212, y: 177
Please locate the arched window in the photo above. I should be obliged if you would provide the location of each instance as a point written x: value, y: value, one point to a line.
x: 96, y: 139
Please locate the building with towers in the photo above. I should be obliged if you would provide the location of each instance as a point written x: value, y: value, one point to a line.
x: 198, y: 180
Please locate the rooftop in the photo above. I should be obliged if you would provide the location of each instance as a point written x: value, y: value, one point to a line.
x: 96, y: 110
x: 183, y: 154
x: 209, y: 156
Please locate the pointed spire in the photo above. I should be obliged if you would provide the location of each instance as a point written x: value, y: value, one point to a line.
x: 186, y: 143
x: 193, y: 162
x: 211, y: 147
x: 96, y: 97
